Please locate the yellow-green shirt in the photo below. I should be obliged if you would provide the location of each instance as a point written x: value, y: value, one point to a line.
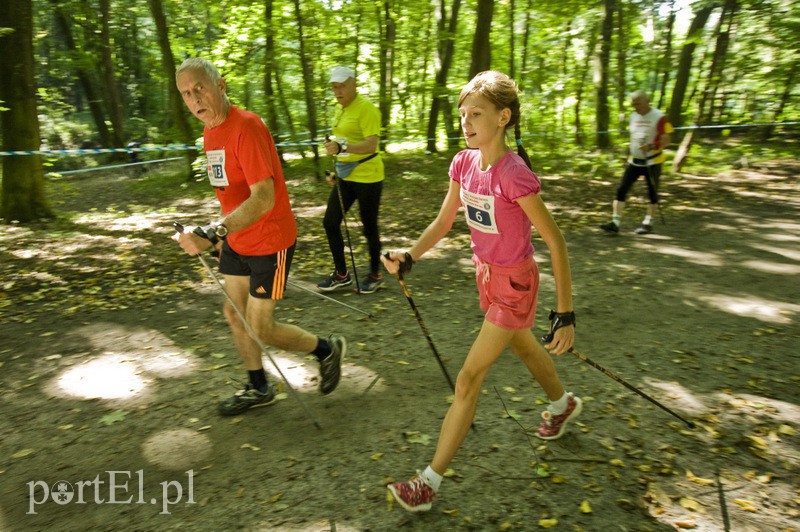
x: 356, y: 122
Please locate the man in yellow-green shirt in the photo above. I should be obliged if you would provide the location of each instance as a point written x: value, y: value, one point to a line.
x: 359, y: 176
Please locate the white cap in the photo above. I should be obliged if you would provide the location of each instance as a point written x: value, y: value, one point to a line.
x: 340, y: 74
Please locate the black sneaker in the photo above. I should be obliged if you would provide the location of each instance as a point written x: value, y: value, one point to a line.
x: 610, y: 227
x: 335, y: 281
x: 644, y: 229
x: 370, y: 284
x: 247, y: 398
x: 330, y: 368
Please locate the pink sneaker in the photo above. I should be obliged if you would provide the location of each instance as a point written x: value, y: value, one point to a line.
x: 553, y: 426
x: 414, y: 495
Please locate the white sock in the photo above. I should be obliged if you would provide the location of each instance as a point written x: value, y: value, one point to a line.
x: 617, y: 219
x: 648, y: 220
x: 433, y: 478
x: 560, y: 406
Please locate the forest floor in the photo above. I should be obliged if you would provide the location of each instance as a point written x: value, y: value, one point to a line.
x: 114, y: 354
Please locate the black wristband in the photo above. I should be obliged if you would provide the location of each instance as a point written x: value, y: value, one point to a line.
x: 558, y: 320
x: 208, y: 232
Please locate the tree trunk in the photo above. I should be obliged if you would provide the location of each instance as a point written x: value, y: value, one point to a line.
x: 114, y: 103
x: 23, y: 197
x: 511, y: 42
x: 785, y: 97
x: 621, y: 78
x: 176, y: 105
x: 270, y: 66
x: 481, y: 42
x: 587, y: 63
x: 523, y: 68
x: 389, y: 29
x: 706, y: 104
x: 603, y: 139
x: 445, y: 49
x: 308, y: 83
x: 666, y: 63
x: 685, y: 65
x: 84, y: 76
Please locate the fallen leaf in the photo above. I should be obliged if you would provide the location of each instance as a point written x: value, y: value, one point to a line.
x: 389, y: 500
x: 616, y: 462
x: 113, y: 417
x: 548, y: 523
x: 685, y: 524
x: 417, y: 437
x: 376, y: 456
x: 23, y: 453
x: 275, y: 498
x: 786, y: 430
x: 250, y: 446
x: 586, y: 508
x: 451, y: 513
x: 745, y: 505
x: 689, y: 504
x: 698, y: 480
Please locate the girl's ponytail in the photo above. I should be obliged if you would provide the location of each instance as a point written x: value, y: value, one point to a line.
x: 520, y: 149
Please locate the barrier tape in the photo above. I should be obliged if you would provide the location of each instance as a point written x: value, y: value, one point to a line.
x: 186, y: 147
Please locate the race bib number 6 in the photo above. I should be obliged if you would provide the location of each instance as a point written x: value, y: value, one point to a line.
x: 480, y: 211
x: 216, y: 168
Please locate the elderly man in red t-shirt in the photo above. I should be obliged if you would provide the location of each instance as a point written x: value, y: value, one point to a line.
x: 255, y: 237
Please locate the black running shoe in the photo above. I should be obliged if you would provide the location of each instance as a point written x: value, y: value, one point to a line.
x: 334, y: 281
x: 330, y: 368
x: 644, y: 229
x: 610, y: 227
x: 247, y: 398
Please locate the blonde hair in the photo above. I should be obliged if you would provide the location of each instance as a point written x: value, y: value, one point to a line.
x: 503, y: 93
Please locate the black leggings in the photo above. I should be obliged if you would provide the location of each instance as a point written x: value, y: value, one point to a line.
x: 652, y: 175
x: 369, y: 202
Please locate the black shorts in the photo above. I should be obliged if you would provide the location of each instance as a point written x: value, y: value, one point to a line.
x: 268, y: 273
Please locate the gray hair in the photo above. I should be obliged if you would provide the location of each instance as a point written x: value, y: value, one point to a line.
x: 198, y: 63
x: 640, y: 95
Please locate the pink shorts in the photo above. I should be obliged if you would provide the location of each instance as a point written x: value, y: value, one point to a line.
x: 508, y: 293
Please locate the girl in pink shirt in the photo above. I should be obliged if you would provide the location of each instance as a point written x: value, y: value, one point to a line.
x: 500, y: 195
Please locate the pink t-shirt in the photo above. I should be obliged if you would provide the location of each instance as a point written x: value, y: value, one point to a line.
x: 500, y: 229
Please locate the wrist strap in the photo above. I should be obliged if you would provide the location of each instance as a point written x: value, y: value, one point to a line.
x: 558, y: 320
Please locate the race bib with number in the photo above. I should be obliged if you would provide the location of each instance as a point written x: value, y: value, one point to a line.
x: 216, y: 168
x: 480, y: 211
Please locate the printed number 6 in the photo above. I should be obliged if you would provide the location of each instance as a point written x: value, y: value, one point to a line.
x: 478, y: 216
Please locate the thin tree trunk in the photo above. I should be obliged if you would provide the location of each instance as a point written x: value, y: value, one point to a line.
x: 685, y: 65
x: 511, y: 38
x: 115, y: 109
x: 706, y: 104
x: 666, y: 63
x: 23, y: 197
x: 389, y: 28
x: 587, y: 63
x: 603, y: 139
x: 785, y: 96
x: 523, y: 68
x: 176, y: 105
x: 87, y: 83
x: 481, y: 43
x: 308, y: 83
x: 445, y: 48
x: 270, y: 66
x: 621, y: 78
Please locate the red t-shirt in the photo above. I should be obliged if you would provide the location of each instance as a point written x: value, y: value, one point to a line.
x: 241, y: 152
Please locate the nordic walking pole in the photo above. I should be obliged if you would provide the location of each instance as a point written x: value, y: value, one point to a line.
x: 337, y: 182
x: 404, y: 267
x: 549, y: 338
x: 301, y: 287
x: 251, y: 332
